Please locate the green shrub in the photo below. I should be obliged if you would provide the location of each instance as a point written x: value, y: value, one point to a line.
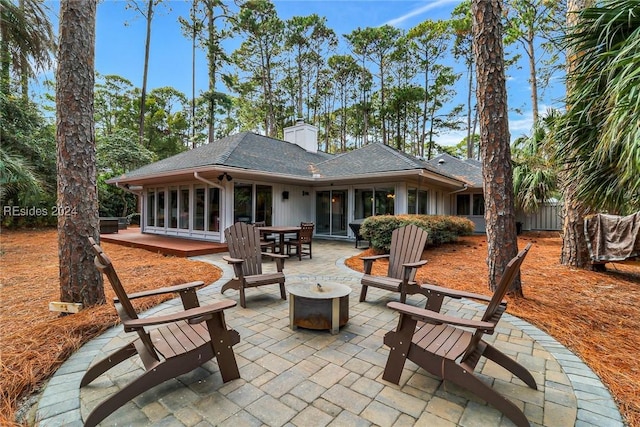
x: 441, y: 228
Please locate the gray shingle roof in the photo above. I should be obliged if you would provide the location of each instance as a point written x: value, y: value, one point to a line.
x: 371, y: 158
x: 254, y: 152
x: 468, y: 171
x: 245, y: 150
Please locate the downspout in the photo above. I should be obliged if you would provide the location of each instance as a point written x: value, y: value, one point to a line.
x: 464, y: 188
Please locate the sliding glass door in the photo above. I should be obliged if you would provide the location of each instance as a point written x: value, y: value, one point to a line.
x: 331, y: 212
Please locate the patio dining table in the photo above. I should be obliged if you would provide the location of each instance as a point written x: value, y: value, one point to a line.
x: 280, y: 230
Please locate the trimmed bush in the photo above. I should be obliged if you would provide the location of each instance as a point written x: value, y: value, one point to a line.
x: 441, y: 228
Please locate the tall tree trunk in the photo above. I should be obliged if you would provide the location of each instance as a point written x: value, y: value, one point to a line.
x: 24, y: 69
x: 574, y: 243
x: 77, y: 209
x: 425, y: 103
x: 365, y: 108
x: 383, y: 110
x: 495, y: 151
x: 5, y: 58
x: 431, y: 142
x: 193, y: 74
x: 143, y: 95
x: 271, y: 115
x: 533, y: 76
x: 212, y: 56
x: 469, y: 97
x: 299, y: 100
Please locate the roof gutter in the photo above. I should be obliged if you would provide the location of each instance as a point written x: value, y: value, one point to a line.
x: 197, y: 176
x: 308, y: 179
x: 464, y: 188
x: 133, y: 189
x: 167, y: 174
x: 441, y: 178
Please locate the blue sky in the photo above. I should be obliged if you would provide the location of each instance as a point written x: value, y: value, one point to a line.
x: 120, y: 38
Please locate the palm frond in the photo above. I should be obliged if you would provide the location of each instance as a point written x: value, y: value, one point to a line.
x: 600, y: 138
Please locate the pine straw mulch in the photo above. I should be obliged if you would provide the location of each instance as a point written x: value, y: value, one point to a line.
x: 35, y: 341
x: 596, y: 315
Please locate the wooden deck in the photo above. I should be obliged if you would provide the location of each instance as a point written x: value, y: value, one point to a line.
x: 175, y: 246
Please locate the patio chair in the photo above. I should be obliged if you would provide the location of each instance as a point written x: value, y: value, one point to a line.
x: 246, y: 255
x: 183, y: 341
x: 439, y: 344
x: 355, y: 228
x: 407, y: 244
x: 266, y: 242
x: 303, y: 239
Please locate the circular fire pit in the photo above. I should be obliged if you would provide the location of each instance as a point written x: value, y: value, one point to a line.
x: 318, y: 306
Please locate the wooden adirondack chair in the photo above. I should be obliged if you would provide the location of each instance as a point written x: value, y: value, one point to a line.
x: 245, y: 253
x: 305, y: 238
x: 187, y: 340
x: 436, y: 342
x: 407, y: 244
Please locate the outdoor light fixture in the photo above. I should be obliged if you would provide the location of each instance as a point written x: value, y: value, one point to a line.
x: 223, y: 176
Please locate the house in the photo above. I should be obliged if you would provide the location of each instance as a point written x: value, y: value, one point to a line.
x: 468, y: 201
x: 248, y: 177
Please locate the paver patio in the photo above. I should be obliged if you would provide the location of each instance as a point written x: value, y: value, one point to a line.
x: 313, y: 378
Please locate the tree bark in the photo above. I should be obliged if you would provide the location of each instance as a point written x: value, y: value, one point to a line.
x: 143, y: 95
x: 533, y: 76
x: 494, y: 140
x: 24, y: 67
x: 574, y: 243
x: 575, y: 252
x: 470, y: 139
x: 77, y: 208
x: 212, y: 58
x: 5, y: 60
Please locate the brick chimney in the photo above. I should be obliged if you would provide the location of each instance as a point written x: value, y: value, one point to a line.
x: 302, y: 134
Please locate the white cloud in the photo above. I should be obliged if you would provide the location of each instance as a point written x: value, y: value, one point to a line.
x: 519, y: 125
x: 419, y: 11
x: 451, y: 138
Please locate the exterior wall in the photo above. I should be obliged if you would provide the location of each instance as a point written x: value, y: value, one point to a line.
x: 442, y: 202
x: 291, y: 204
x: 296, y: 208
x: 479, y: 222
x: 477, y: 218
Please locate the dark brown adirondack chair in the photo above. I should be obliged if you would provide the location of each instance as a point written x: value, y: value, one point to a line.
x: 436, y: 342
x: 407, y: 244
x: 187, y: 340
x: 246, y: 255
x: 304, y: 239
